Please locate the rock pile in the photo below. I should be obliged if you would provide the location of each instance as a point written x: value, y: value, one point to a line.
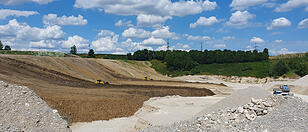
x: 22, y: 110
x: 246, y: 117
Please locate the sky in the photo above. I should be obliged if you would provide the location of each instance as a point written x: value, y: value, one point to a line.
x: 123, y: 26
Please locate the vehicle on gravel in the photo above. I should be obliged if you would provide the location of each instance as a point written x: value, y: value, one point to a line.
x: 283, y: 90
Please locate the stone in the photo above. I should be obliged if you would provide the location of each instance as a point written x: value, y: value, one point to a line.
x: 240, y: 110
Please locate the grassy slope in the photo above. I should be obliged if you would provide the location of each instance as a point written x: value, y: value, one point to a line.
x: 254, y: 69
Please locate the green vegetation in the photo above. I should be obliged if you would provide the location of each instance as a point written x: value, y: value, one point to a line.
x: 105, y: 56
x: 7, y: 47
x: 288, y: 67
x: 73, y: 50
x: 253, y: 69
x: 35, y: 53
x: 1, y: 45
x: 177, y: 60
x: 91, y: 54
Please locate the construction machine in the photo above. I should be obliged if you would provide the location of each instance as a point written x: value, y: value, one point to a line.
x: 101, y: 82
x: 146, y: 78
x: 283, y: 90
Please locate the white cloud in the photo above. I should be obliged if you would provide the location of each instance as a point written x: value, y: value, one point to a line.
x: 178, y: 46
x: 151, y: 20
x: 240, y: 19
x: 154, y: 41
x: 291, y: 4
x: 228, y: 38
x: 245, y: 4
x: 303, y: 23
x: 76, y: 40
x: 53, y: 19
x: 157, y: 7
x: 203, y: 21
x: 106, y: 44
x: 278, y: 41
x: 136, y: 33
x: 16, y: 2
x: 4, y: 13
x: 281, y: 51
x: 132, y: 46
x: 105, y: 33
x: 279, y: 23
x: 21, y: 35
x: 22, y: 31
x: 122, y: 23
x: 164, y: 33
x: 43, y: 44
x: 199, y: 38
x: 256, y: 40
x: 219, y: 46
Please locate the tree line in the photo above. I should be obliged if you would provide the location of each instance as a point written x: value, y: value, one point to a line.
x: 186, y: 60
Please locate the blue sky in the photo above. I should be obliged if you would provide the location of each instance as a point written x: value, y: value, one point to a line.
x: 123, y: 26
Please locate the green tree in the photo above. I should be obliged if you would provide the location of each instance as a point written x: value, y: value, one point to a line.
x: 91, y: 53
x: 265, y: 54
x: 280, y: 68
x: 73, y: 50
x: 302, y: 69
x: 7, y: 47
x: 180, y: 61
x: 1, y: 45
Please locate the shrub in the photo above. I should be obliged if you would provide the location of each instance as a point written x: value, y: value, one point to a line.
x: 7, y: 47
x: 91, y: 53
x: 280, y: 68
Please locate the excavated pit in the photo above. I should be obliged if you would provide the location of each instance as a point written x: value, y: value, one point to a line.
x: 81, y: 100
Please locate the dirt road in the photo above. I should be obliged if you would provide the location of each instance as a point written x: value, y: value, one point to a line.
x: 67, y: 84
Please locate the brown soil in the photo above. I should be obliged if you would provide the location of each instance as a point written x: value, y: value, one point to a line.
x: 67, y: 84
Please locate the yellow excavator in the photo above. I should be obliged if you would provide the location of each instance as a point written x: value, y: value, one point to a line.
x: 146, y: 78
x: 101, y: 82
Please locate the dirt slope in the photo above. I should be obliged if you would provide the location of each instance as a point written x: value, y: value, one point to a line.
x: 67, y: 84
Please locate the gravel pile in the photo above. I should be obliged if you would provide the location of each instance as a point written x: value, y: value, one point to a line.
x: 22, y: 110
x: 274, y: 113
x: 239, y: 97
x: 302, y: 81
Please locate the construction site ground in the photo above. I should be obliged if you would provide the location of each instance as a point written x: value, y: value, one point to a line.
x: 67, y: 84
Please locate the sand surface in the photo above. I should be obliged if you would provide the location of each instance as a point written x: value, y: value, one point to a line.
x: 155, y: 112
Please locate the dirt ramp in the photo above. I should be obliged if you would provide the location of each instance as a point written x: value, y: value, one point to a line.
x: 92, y: 69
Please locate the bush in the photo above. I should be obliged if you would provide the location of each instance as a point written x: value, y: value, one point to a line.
x: 302, y: 69
x: 91, y: 53
x: 280, y: 68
